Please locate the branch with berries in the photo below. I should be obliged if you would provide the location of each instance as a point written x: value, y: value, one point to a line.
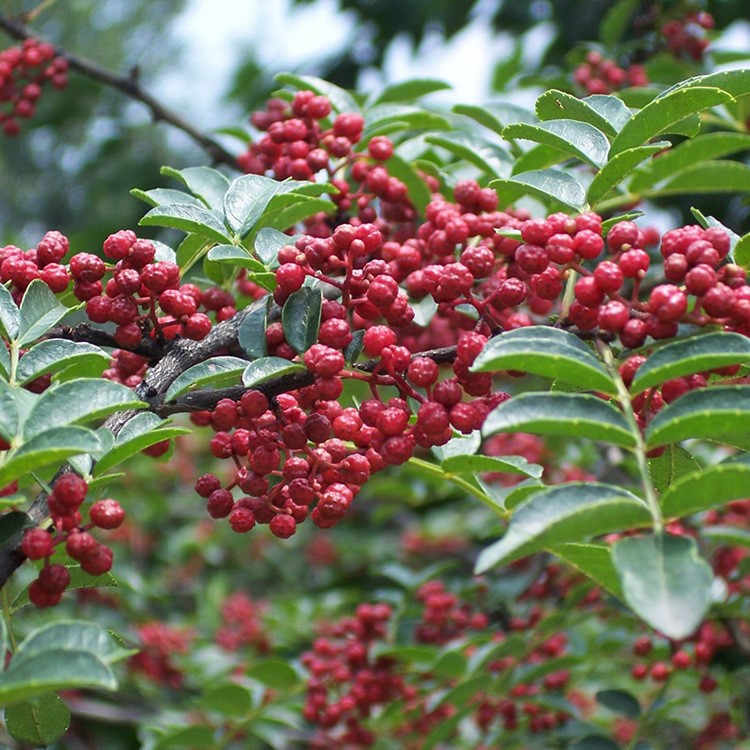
x: 53, y: 64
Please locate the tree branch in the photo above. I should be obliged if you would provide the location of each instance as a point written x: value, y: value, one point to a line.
x: 149, y: 348
x: 129, y: 86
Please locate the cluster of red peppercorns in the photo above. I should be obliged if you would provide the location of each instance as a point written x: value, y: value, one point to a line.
x: 647, y: 404
x: 159, y: 644
x: 660, y: 663
x: 444, y: 616
x: 600, y: 75
x: 94, y: 557
x: 242, y: 624
x: 138, y: 285
x: 24, y: 70
x: 303, y: 139
x: 687, y: 37
x: 347, y: 682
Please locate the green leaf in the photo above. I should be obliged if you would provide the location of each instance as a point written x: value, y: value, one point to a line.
x: 248, y: 197
x: 450, y: 664
x: 672, y: 464
x: 410, y: 90
x: 274, y: 673
x: 49, y: 447
x: 688, y: 153
x: 164, y: 197
x: 665, y: 581
x: 708, y: 351
x: 303, y: 207
x: 268, y: 242
x: 300, y: 318
x: 708, y: 177
x: 193, y: 219
x: 505, y: 464
x: 9, y: 416
x: 217, y: 372
x: 419, y: 193
x: 228, y: 699
x: 194, y: 738
x: 566, y: 513
x: 726, y: 536
x: 207, y: 184
x: 706, y: 488
x: 407, y: 117
x: 546, y: 351
x: 593, y: 560
x: 572, y: 414
x: 552, y: 187
x: 607, y: 113
x: 235, y: 256
x: 143, y: 431
x: 76, y: 402
x: 267, y: 368
x: 620, y: 701
x: 355, y: 346
x: 191, y: 250
x: 252, y: 332
x: 56, y: 354
x: 573, y: 137
x: 289, y: 209
x: 616, y: 21
x: 742, y: 252
x: 3, y: 638
x: 39, y: 311
x: 618, y: 168
x: 54, y: 669
x: 13, y: 523
x: 341, y: 100
x: 703, y: 413
x: 71, y: 635
x: 9, y: 313
x: 481, y: 114
x: 735, y: 82
x: 495, y: 115
x: 483, y: 154
x: 39, y: 721
x: 665, y: 111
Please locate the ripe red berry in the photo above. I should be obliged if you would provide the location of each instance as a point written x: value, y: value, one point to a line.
x: 220, y: 503
x: 37, y: 544
x: 241, y: 520
x: 70, y: 490
x: 283, y: 526
x: 107, y: 514
x: 54, y: 579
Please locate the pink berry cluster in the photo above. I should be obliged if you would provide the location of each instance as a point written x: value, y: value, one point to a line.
x: 95, y: 558
x: 302, y: 140
x: 600, y: 75
x: 160, y: 643
x: 24, y: 70
x: 242, y: 624
x: 141, y: 296
x: 349, y: 682
x: 686, y: 37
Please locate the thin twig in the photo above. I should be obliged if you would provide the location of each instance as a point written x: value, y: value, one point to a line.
x: 129, y: 86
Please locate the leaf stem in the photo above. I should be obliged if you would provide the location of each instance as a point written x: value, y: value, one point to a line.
x: 623, y: 398
x: 433, y: 470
